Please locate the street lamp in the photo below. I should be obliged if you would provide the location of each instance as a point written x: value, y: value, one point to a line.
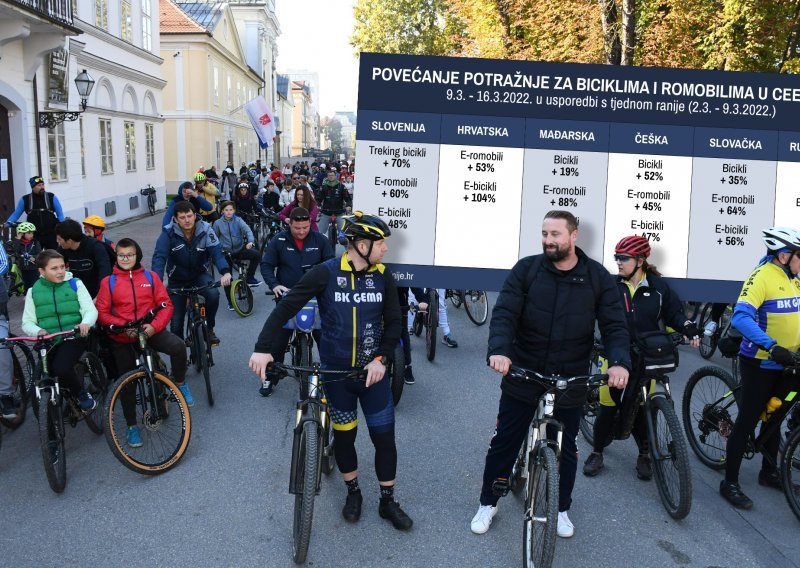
x: 84, y: 83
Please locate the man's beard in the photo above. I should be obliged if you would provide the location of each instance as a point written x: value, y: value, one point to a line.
x: 555, y: 254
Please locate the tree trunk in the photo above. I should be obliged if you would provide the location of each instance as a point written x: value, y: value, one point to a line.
x: 628, y: 30
x: 611, y: 42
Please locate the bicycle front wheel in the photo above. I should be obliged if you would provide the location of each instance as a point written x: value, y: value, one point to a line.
x: 306, y: 471
x: 476, y: 302
x: 51, y: 436
x: 456, y: 298
x: 22, y: 362
x: 670, y: 459
x: 203, y: 346
x: 591, y: 408
x: 709, y: 411
x: 417, y: 324
x: 541, y: 510
x: 789, y: 472
x: 433, y: 325
x: 162, y: 416
x: 96, y: 383
x: 241, y: 298
x: 708, y: 343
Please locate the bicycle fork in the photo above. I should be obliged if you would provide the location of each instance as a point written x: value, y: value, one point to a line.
x: 308, y: 410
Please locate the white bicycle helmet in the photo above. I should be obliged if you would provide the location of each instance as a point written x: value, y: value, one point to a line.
x: 778, y: 238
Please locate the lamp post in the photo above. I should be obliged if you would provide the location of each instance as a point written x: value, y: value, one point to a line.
x: 84, y: 84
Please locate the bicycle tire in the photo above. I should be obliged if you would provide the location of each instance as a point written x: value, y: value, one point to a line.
x: 201, y: 337
x: 456, y: 298
x: 541, y: 509
x: 417, y: 324
x: 307, y: 465
x: 328, y: 456
x: 708, y: 343
x: 21, y: 393
x: 674, y: 469
x: 707, y: 425
x: 51, y: 437
x: 151, y: 204
x: 397, y: 373
x: 241, y: 298
x: 169, y: 433
x: 433, y: 325
x: 789, y: 473
x: 476, y: 303
x: 590, y: 410
x: 97, y: 385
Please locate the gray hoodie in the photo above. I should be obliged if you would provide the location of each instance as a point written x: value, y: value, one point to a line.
x: 233, y: 233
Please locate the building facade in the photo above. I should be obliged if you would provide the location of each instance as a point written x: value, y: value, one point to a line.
x: 302, y: 119
x: 284, y: 114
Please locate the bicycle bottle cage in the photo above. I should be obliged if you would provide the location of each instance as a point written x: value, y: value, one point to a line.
x: 500, y: 487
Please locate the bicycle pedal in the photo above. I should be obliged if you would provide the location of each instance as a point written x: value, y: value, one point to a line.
x: 500, y: 487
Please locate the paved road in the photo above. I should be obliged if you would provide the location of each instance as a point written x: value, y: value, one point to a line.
x: 227, y: 503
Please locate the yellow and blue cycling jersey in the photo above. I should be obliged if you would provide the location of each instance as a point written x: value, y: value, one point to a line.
x: 768, y: 312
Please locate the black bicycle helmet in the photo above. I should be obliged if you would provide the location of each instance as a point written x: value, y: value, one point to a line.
x: 365, y: 226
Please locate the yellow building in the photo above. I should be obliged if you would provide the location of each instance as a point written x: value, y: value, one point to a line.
x: 208, y: 84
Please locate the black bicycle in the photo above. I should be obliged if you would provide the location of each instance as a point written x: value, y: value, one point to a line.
x: 312, y: 448
x: 428, y: 320
x: 24, y: 367
x: 269, y: 225
x: 156, y: 404
x: 150, y: 193
x: 475, y: 302
x: 200, y: 354
x: 709, y: 342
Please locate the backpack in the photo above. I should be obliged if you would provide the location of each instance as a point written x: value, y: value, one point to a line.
x: 27, y: 199
x: 536, y: 266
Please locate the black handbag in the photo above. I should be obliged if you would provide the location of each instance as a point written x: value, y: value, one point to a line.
x: 655, y: 353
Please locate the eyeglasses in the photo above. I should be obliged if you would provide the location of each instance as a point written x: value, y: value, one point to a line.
x: 295, y: 179
x: 126, y: 256
x: 622, y: 257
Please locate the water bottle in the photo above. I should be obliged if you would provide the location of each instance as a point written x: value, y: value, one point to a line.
x: 773, y: 405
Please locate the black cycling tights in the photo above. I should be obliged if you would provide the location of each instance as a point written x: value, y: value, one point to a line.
x: 604, y: 424
x: 758, y: 385
x: 385, y: 452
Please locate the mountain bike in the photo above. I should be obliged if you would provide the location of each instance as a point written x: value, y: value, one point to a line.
x: 708, y: 343
x: 57, y: 405
x: 269, y: 225
x: 536, y: 467
x: 667, y: 445
x: 475, y: 302
x: 710, y: 408
x: 428, y: 320
x: 239, y: 293
x: 159, y: 408
x: 312, y: 447
x: 150, y: 192
x: 21, y: 381
x: 200, y: 354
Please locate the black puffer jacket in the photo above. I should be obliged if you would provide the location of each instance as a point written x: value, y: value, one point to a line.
x: 653, y: 306
x: 549, y: 327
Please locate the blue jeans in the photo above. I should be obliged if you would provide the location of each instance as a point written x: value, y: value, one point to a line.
x: 211, y: 296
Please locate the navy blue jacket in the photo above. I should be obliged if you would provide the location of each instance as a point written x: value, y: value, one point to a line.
x: 199, y: 202
x: 282, y: 254
x: 185, y: 262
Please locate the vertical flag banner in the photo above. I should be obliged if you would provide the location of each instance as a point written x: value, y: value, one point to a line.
x: 262, y: 120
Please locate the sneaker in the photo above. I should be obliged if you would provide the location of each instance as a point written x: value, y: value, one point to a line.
x: 773, y: 480
x: 449, y: 341
x: 134, y: 437
x: 409, y: 376
x: 483, y: 519
x: 352, y: 507
x: 212, y: 337
x: 230, y: 308
x: 253, y: 282
x: 85, y: 401
x: 644, y: 467
x: 9, y: 407
x: 266, y: 388
x: 733, y: 493
x: 565, y: 527
x: 391, y: 510
x: 187, y: 394
x: 593, y: 464
x: 710, y: 328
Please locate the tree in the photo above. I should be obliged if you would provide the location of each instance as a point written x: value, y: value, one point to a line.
x: 332, y: 129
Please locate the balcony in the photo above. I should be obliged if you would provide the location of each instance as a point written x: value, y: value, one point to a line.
x: 58, y: 11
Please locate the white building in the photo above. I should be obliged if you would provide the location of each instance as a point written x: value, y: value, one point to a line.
x: 348, y: 121
x: 284, y: 112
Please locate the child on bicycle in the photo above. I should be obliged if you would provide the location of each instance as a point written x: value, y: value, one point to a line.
x: 59, y: 302
x: 237, y: 239
x: 26, y: 248
x: 127, y: 295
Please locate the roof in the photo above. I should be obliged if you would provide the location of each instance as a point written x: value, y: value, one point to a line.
x: 173, y: 20
x: 204, y: 14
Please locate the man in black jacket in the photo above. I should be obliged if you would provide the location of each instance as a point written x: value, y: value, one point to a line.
x: 544, y: 320
x: 86, y: 257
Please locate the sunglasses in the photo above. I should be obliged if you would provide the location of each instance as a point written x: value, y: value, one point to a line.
x: 622, y: 257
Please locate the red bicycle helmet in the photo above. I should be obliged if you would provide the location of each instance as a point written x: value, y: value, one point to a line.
x: 634, y: 246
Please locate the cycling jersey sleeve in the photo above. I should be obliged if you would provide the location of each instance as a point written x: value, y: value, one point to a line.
x: 751, y: 298
x: 17, y: 212
x: 57, y: 207
x: 392, y: 319
x: 312, y: 284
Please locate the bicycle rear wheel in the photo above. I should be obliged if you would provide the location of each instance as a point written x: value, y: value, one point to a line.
x: 328, y: 458
x: 241, y: 298
x: 790, y: 476
x: 433, y: 325
x: 397, y: 373
x: 476, y: 302
x: 94, y: 380
x: 204, y: 362
x: 306, y: 471
x: 456, y: 298
x: 20, y: 382
x: 163, y: 418
x: 670, y: 459
x: 709, y: 411
x: 151, y: 204
x: 591, y: 408
x: 541, y: 509
x: 51, y: 436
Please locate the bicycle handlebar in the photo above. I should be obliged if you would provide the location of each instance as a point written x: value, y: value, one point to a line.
x: 46, y: 337
x: 557, y: 381
x: 189, y: 290
x: 147, y: 318
x: 358, y: 374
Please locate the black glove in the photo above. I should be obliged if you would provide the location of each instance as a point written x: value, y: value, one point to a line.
x: 781, y: 355
x: 690, y: 330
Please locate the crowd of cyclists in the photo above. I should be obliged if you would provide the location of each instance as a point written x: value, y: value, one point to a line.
x: 544, y: 319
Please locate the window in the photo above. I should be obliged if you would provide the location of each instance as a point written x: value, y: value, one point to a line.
x: 150, y: 146
x: 101, y: 14
x: 216, y: 85
x: 147, y: 26
x: 58, y: 153
x: 106, y: 157
x: 125, y: 29
x: 83, y: 153
x: 130, y: 147
x: 230, y: 93
x: 74, y: 8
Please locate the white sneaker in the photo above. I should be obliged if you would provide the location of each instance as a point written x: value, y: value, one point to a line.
x: 565, y: 527
x: 710, y: 328
x: 483, y: 519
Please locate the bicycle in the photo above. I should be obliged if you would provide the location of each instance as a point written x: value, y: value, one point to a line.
x: 22, y: 383
x: 150, y: 192
x: 159, y: 406
x: 240, y: 294
x: 54, y: 408
x: 200, y: 354
x: 475, y: 302
x: 15, y: 284
x: 537, y: 464
x: 429, y: 320
x: 708, y: 343
x: 312, y: 448
x: 710, y: 408
x: 270, y: 225
x: 667, y: 446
